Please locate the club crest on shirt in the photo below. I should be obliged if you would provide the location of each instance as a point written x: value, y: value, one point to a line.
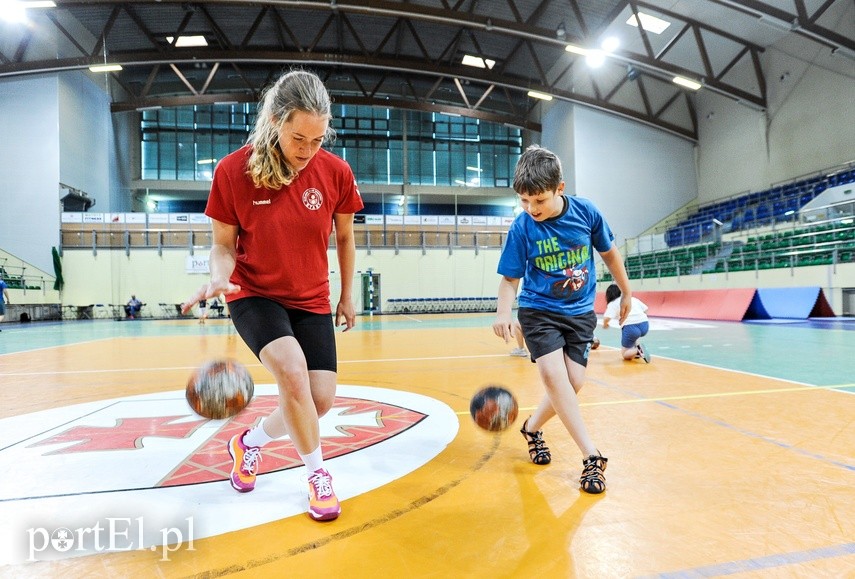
x: 313, y: 199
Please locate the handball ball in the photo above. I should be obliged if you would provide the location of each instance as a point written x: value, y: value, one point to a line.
x: 595, y: 343
x: 493, y: 408
x: 219, y: 389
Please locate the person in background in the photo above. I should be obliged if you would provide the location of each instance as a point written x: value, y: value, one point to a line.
x: 633, y: 328
x: 4, y: 299
x: 217, y: 306
x: 274, y: 204
x: 518, y: 335
x: 133, y: 307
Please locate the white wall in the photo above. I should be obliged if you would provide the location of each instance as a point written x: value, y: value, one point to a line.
x: 808, y: 126
x: 111, y: 277
x: 29, y: 168
x: 635, y: 174
x: 55, y: 129
x: 85, y: 137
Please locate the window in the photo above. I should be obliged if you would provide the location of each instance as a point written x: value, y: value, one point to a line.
x: 184, y: 143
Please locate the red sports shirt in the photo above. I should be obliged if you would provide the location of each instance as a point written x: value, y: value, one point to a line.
x: 283, y: 234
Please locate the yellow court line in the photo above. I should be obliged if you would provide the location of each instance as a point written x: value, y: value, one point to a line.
x: 699, y: 396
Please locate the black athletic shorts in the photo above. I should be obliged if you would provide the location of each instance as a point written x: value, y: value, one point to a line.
x: 259, y: 321
x: 546, y: 332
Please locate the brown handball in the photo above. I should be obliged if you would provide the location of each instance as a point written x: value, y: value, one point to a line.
x: 595, y: 344
x: 494, y: 408
x: 219, y: 389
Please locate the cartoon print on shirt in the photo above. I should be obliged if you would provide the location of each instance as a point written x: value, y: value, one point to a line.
x: 576, y: 279
x: 553, y: 258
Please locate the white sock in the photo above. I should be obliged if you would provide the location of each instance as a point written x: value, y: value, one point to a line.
x: 257, y: 436
x: 314, y: 460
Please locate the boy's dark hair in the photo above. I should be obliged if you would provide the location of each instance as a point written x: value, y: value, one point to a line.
x: 612, y: 293
x: 537, y: 170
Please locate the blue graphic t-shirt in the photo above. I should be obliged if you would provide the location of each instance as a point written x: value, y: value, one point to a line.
x: 554, y: 258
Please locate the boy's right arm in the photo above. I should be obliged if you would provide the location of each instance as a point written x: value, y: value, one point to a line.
x: 613, y: 260
x: 502, y: 327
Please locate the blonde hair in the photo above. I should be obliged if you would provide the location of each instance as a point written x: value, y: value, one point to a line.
x: 297, y: 90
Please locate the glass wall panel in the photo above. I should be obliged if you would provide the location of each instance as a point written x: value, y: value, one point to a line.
x: 439, y: 149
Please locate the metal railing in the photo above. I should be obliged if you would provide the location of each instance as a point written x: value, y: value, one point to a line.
x: 200, y: 240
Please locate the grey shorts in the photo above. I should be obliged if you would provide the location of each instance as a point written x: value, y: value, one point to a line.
x: 546, y: 332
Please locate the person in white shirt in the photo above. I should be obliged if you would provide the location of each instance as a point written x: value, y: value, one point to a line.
x: 633, y: 328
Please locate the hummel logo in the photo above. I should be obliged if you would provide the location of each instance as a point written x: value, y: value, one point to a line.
x: 262, y: 202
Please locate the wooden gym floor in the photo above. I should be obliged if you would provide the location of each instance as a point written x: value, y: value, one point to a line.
x: 731, y: 454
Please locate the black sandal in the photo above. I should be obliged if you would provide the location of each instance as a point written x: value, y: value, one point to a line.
x: 593, y: 480
x: 537, y: 449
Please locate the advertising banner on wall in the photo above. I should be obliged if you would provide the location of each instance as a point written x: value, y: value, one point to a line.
x: 196, y: 264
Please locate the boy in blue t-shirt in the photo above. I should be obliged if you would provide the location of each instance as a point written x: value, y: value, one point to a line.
x: 550, y: 246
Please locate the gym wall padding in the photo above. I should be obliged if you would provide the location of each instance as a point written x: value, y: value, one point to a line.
x: 732, y: 304
x: 717, y: 304
x: 789, y: 303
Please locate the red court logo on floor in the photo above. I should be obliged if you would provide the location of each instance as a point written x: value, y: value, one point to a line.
x: 150, y: 457
x: 373, y: 422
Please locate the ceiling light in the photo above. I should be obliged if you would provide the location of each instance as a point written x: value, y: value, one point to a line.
x: 106, y: 68
x: 649, y: 23
x: 576, y: 49
x: 595, y: 58
x: 460, y: 182
x: 471, y: 168
x: 449, y: 114
x: 686, y: 82
x: 610, y: 44
x: 13, y: 12
x: 185, y: 41
x: 539, y: 95
x: 477, y: 61
x: 206, y: 161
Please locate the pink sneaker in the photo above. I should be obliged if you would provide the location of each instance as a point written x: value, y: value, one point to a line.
x: 323, y: 504
x: 246, y: 460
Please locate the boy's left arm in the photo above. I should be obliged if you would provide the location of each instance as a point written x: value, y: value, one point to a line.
x: 614, y: 261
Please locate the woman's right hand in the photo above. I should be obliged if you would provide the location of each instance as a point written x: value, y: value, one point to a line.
x: 209, y: 290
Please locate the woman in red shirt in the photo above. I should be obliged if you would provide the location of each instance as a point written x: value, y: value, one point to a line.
x: 273, y: 204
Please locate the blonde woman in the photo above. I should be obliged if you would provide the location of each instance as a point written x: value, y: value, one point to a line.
x: 273, y: 205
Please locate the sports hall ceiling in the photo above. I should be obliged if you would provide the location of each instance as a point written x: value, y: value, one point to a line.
x: 408, y: 54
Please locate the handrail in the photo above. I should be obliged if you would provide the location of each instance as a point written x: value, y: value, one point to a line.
x: 96, y: 239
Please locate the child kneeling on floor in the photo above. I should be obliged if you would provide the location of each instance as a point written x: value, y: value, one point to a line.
x: 633, y: 328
